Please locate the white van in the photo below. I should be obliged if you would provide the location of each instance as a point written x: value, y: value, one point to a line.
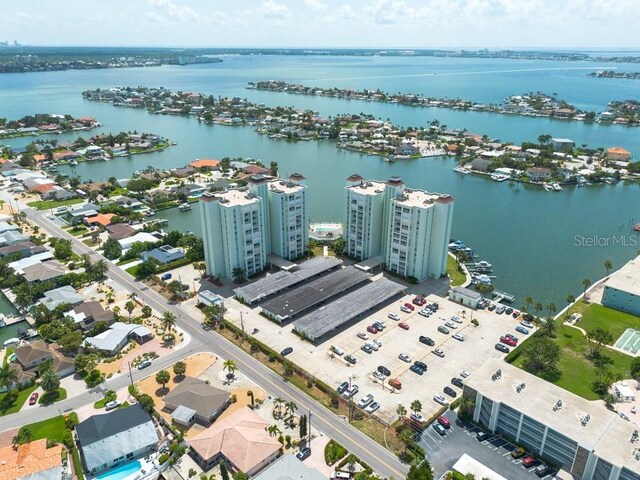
x: 337, y: 350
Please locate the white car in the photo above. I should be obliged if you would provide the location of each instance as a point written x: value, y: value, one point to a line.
x: 404, y: 357
x: 372, y: 345
x: 350, y: 392
x: 526, y: 323
x: 458, y: 336
x: 464, y: 374
x: 377, y: 343
x: 456, y: 319
x: 382, y: 324
x: 394, y: 316
x: 451, y: 325
x: 379, y: 376
x: 363, y: 336
x: 424, y: 312
x: 438, y: 352
x: 440, y: 399
x: 417, y: 416
x: 372, y: 407
x: 405, y: 309
x: 364, y: 401
x: 111, y: 405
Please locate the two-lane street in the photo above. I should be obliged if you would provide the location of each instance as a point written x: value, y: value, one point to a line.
x: 379, y: 458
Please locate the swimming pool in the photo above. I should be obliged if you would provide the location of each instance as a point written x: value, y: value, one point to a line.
x: 121, y: 472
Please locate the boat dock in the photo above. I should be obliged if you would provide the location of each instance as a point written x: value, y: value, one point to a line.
x: 499, y: 296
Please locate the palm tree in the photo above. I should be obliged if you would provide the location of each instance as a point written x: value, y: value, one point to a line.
x: 570, y: 299
x: 528, y: 301
x: 238, y: 274
x: 277, y: 403
x: 129, y: 306
x: 229, y: 366
x: 49, y: 380
x: 100, y: 268
x: 8, y: 377
x: 538, y: 307
x: 23, y: 436
x: 607, y: 266
x: 551, y: 308
x: 585, y: 283
x: 416, y: 406
x: 290, y: 408
x: 405, y: 437
x: 401, y: 411
x: 168, y: 321
x: 273, y: 430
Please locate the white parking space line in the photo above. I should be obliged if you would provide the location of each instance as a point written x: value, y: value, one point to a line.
x: 505, y: 454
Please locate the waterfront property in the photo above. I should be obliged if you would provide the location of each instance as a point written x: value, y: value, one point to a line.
x: 582, y: 437
x: 241, y: 227
x: 409, y: 228
x: 114, y: 438
x: 465, y: 296
x: 622, y: 289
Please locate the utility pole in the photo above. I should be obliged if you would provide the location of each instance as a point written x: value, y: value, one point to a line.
x: 130, y: 374
x: 309, y: 430
x: 242, y: 325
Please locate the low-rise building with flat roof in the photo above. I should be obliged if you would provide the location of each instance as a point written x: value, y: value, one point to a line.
x: 622, y: 289
x: 465, y: 296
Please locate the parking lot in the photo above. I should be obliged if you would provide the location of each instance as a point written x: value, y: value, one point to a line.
x: 478, y: 347
x: 443, y: 451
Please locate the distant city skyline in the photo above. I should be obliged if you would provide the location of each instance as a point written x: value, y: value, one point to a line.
x: 325, y: 23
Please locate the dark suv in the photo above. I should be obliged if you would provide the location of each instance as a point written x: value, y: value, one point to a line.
x: 457, y: 382
x: 427, y: 341
x: 384, y: 371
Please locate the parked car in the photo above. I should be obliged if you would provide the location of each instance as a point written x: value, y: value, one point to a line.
x: 351, y: 391
x: 415, y: 369
x: 451, y: 325
x: 286, y: 351
x: 144, y: 364
x: 509, y: 310
x: 364, y: 401
x: 425, y: 312
x: 522, y: 330
x: 372, y: 407
x: 440, y: 399
x: 457, y: 382
x: 421, y: 365
x: 378, y: 326
x: 403, y: 326
x: 443, y: 329
x: 337, y: 350
x: 372, y: 329
x: 459, y: 337
x: 416, y: 417
x: 384, y: 370
x: 409, y: 306
x: 456, y: 319
x: 393, y: 316
x: 165, y: 276
x: 542, y: 470
x: 438, y: 352
x: 363, y: 336
x: 528, y: 462
x: 512, y: 337
x: 376, y: 343
x: 439, y: 429
x: 372, y: 345
x: 508, y: 341
x: 450, y: 391
x: 379, y: 376
x: 395, y: 383
x: 111, y: 405
x: 33, y: 398
x: 342, y: 387
x: 351, y: 359
x: 426, y: 341
x: 515, y: 314
x: 366, y: 348
x: 303, y: 453
x: 526, y: 324
x: 404, y: 357
x: 444, y: 421
x: 502, y: 348
x: 405, y: 309
x: 482, y: 436
x: 518, y: 452
x: 419, y: 301
x: 464, y: 374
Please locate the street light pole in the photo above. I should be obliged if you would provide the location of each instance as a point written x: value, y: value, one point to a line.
x: 130, y: 374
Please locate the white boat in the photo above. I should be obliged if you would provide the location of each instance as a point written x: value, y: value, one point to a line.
x: 73, y: 163
x: 11, y: 341
x: 547, y: 187
x: 463, y: 170
x: 556, y: 187
x: 184, y: 207
x: 499, y: 177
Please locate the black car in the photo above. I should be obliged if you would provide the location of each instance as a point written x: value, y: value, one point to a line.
x: 482, y: 436
x: 502, y: 348
x: 509, y: 310
x: 351, y: 359
x: 342, y: 387
x: 421, y: 365
x: 427, y: 341
x: 304, y: 452
x: 450, y: 391
x: 457, y: 382
x: 286, y: 351
x: 416, y: 369
x: 384, y: 370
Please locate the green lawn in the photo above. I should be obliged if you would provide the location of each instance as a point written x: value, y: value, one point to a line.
x: 597, y: 316
x: 132, y: 270
x: 53, y: 397
x: 18, y: 403
x: 103, y: 401
x: 46, y: 204
x: 456, y: 276
x: 577, y: 371
x: 51, y: 429
x: 126, y: 261
x: 77, y: 230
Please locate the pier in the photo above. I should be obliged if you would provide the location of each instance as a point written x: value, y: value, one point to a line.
x: 499, y: 296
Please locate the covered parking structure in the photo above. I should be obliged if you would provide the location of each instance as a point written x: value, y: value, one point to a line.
x: 280, y: 281
x: 321, y: 289
x: 329, y: 317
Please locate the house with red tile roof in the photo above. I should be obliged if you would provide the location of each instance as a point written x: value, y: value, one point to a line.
x: 31, y: 460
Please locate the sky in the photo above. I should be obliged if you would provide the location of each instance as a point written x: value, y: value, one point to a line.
x: 324, y: 23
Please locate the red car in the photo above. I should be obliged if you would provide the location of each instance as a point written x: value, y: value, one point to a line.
x: 419, y: 301
x: 33, y: 398
x: 508, y: 341
x: 409, y: 306
x: 403, y: 326
x: 528, y: 462
x: 444, y: 421
x: 372, y: 329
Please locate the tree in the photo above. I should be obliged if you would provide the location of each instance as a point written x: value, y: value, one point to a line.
x: 551, y: 309
x: 607, y: 266
x: 585, y: 283
x: 548, y: 328
x: 179, y: 369
x: 168, y: 321
x: 405, y: 437
x: 273, y: 430
x: 634, y: 368
x: 8, y: 377
x: 129, y: 307
x: 146, y: 402
x: 224, y: 472
x: 240, y: 476
x: 146, y: 311
x: 541, y: 356
x: 112, y: 249
x: 98, y: 270
x: 273, y: 169
x: 70, y: 342
x: 23, y: 436
x: 85, y: 363
x: 544, y: 139
x: 420, y: 472
x: 528, y: 301
x: 49, y: 380
x: 290, y: 408
x: 251, y: 397
x: 213, y: 315
x: 229, y: 366
x: 277, y: 405
x: 238, y: 274
x: 570, y: 299
x: 303, y: 426
x: 147, y: 268
x: 62, y: 249
x: 416, y: 406
x: 163, y: 377
x: 598, y: 338
x: 338, y: 246
x: 538, y: 308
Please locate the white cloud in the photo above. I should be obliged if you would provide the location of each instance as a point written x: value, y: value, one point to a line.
x: 172, y: 11
x: 271, y: 9
x: 316, y: 5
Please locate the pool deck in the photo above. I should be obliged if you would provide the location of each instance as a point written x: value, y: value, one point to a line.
x: 148, y: 470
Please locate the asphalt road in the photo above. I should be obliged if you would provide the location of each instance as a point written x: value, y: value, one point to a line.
x: 379, y: 458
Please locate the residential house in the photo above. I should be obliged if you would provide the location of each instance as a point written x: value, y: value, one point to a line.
x: 7, y: 227
x: 120, y: 231
x: 57, y: 193
x: 618, y: 154
x: 12, y: 237
x: 183, y: 172
x: 34, y: 354
x: 288, y: 467
x: 41, y: 272
x: 195, y: 400
x: 80, y: 212
x: 205, y: 164
x: 480, y: 164
x: 241, y: 440
x: 190, y: 189
x: 25, y: 248
x: 126, y: 243
x: 102, y: 219
x: 255, y: 170
x: 537, y: 174
x: 113, y: 340
x: 87, y: 314
x: 165, y: 254
x: 31, y: 461
x: 114, y: 438
x: 59, y: 296
x: 562, y: 143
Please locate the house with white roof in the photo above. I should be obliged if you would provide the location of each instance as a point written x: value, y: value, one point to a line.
x: 113, y: 340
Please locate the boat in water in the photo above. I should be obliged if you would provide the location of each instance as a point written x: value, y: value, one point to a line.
x: 463, y: 170
x: 11, y: 341
x: 556, y: 187
x: 184, y: 207
x: 73, y: 163
x: 499, y: 177
x: 637, y: 227
x: 547, y: 187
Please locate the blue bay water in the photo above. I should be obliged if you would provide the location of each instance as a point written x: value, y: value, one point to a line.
x: 530, y: 236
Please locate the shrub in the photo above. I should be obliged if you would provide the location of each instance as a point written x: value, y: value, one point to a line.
x: 333, y: 452
x: 475, y: 322
x: 163, y: 458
